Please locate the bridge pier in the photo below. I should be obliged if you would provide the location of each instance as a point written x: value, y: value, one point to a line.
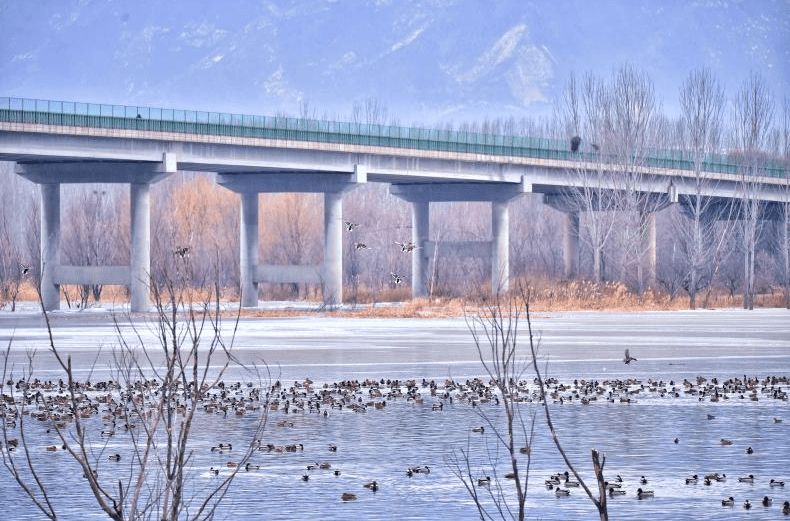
x: 248, y: 248
x: 570, y: 245
x: 139, y: 175
x: 332, y: 185
x: 50, y: 244
x: 497, y: 250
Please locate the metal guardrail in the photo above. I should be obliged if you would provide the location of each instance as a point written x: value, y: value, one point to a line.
x: 45, y: 112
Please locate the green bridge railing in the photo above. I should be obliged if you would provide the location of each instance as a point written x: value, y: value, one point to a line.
x: 44, y: 112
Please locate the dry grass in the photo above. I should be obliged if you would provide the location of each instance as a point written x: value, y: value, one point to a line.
x: 546, y: 296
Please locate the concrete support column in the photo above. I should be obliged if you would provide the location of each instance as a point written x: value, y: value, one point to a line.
x: 420, y: 230
x: 333, y: 247
x: 248, y: 247
x: 50, y: 244
x: 649, y: 246
x: 140, y: 254
x: 500, y: 247
x: 570, y: 244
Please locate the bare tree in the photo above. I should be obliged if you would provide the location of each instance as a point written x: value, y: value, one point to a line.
x: 784, y: 220
x: 157, y: 417
x: 595, y: 178
x: 753, y: 113
x: 496, y: 335
x: 702, y: 106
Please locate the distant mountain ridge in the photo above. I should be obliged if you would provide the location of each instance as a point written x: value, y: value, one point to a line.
x: 426, y: 61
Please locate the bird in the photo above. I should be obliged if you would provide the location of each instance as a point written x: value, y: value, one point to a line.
x: 305, y: 477
x: 348, y: 496
x: 562, y: 492
x: 25, y: 268
x: 420, y: 470
x: 361, y: 246
x: 350, y: 227
x: 641, y: 494
x: 332, y: 447
x: 396, y: 278
x: 628, y: 358
x: 214, y: 471
x: 114, y: 457
x: 575, y: 142
x: 786, y: 508
x: 750, y: 451
x: 182, y: 252
x: 643, y: 480
x: 372, y: 485
x: 747, y: 505
x: 728, y: 502
x: 746, y: 479
x: 407, y: 247
x: 691, y: 480
x: 483, y: 482
x: 616, y: 492
x: 726, y: 441
x: 775, y: 483
x: 480, y: 429
x: 767, y: 501
x: 249, y: 466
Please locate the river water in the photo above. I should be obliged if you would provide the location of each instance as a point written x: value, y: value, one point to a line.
x: 638, y: 438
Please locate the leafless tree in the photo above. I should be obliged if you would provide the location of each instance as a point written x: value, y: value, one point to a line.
x: 495, y: 331
x: 702, y: 105
x: 157, y: 417
x: 753, y: 112
x: 784, y: 219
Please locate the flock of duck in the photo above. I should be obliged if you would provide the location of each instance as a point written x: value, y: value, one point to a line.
x: 49, y: 403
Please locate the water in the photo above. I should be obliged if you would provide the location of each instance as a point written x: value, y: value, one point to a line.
x: 380, y: 444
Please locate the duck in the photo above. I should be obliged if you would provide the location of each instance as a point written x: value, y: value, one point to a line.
x: 332, y: 448
x: 52, y: 448
x: 350, y: 227
x: 643, y: 480
x: 510, y: 475
x: 483, y: 482
x: 786, y: 508
x: 396, y: 278
x: 561, y: 492
x: 747, y: 505
x: 480, y: 429
x: 420, y: 470
x: 775, y: 483
x: 325, y: 466
x: 214, y: 471
x: 691, y: 480
x: 114, y: 457
x: 372, y: 485
x: 767, y: 501
x: 642, y: 494
x: 749, y: 450
x: 305, y: 477
x: 726, y: 441
x: 730, y: 501
x: 348, y: 496
x: 628, y: 358
x: 746, y: 479
x: 249, y: 466
x: 616, y: 492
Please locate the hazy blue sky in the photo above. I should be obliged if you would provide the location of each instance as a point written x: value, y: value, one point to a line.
x: 424, y: 60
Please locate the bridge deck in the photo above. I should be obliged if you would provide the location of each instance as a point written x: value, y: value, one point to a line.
x: 186, y: 122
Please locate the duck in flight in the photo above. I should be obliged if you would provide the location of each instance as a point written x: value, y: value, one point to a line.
x: 628, y: 358
x: 407, y: 247
x: 350, y: 227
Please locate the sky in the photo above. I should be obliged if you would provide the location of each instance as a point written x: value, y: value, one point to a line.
x: 427, y: 61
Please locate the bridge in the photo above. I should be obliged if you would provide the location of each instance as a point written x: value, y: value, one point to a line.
x: 65, y: 142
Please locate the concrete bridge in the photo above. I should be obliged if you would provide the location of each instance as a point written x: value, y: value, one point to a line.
x: 59, y: 142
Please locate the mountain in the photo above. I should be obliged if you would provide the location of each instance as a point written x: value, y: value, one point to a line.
x: 427, y: 61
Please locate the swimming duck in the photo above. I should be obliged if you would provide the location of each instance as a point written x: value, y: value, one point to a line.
x: 52, y: 448
x: 775, y: 483
x: 372, y: 485
x: 747, y: 505
x: 420, y: 470
x: 750, y: 451
x: 115, y: 457
x: 728, y: 502
x: 726, y: 441
x: 767, y: 501
x: 746, y: 479
x: 643, y: 480
x: 332, y: 448
x: 348, y: 496
x: 560, y: 492
x: 786, y: 508
x: 641, y: 494
x: 616, y: 492
x: 249, y: 466
x: 305, y: 477
x: 483, y: 482
x: 214, y: 471
x: 691, y: 480
x: 480, y: 429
